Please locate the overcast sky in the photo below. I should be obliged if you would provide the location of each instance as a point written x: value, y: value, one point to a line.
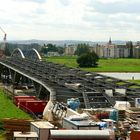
x: 94, y: 20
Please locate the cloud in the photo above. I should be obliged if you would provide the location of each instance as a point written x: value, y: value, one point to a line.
x: 113, y: 16
x: 65, y: 2
x: 34, y: 1
x: 70, y: 19
x: 116, y: 6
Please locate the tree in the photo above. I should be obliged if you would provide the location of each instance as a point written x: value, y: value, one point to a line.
x: 81, y: 49
x: 44, y: 50
x: 129, y: 44
x: 7, y: 51
x: 60, y: 50
x: 89, y: 59
x: 49, y: 48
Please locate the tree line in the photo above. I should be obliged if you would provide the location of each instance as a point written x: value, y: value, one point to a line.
x: 86, y: 58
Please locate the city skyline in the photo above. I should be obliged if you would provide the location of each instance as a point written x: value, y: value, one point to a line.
x: 92, y: 20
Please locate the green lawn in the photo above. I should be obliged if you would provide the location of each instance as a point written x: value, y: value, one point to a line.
x: 66, y: 60
x: 2, y: 137
x: 104, y: 65
x: 9, y: 110
x: 135, y: 81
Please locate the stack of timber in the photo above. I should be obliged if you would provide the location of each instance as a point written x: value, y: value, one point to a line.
x: 11, y: 125
x: 121, y: 115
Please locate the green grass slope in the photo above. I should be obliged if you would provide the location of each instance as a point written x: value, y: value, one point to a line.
x: 104, y: 65
x: 9, y: 110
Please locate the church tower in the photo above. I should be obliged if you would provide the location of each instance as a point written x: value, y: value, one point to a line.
x: 110, y: 42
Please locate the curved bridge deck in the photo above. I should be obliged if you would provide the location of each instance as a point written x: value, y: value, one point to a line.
x: 61, y: 83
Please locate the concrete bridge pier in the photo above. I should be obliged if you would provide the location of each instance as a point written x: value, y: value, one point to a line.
x: 4, y: 74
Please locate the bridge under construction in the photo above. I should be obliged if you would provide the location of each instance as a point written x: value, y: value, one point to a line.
x: 58, y: 82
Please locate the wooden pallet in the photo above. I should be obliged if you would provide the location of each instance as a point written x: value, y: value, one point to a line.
x: 11, y: 125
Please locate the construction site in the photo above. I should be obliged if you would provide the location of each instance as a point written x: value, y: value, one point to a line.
x: 67, y: 103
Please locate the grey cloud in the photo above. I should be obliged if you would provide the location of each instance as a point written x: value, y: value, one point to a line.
x: 100, y: 17
x: 40, y: 11
x: 117, y: 7
x: 7, y: 21
x: 108, y: 22
x: 65, y: 2
x: 35, y: 1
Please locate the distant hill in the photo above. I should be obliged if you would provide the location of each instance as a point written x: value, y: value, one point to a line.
x: 62, y: 42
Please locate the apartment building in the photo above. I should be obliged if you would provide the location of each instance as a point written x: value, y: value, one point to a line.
x: 70, y: 50
x: 110, y: 50
x: 136, y: 52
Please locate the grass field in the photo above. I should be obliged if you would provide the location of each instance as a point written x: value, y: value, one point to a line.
x: 9, y: 110
x: 2, y: 137
x: 104, y: 65
x: 135, y: 81
x: 66, y: 60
